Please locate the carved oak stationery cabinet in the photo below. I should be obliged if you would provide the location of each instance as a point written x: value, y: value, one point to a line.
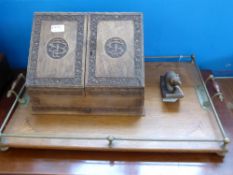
x: 86, y: 63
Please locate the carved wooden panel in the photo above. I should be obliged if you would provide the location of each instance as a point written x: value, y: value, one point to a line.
x: 115, y: 55
x: 57, y: 52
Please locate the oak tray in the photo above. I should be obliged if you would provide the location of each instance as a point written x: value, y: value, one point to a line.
x: 190, y: 125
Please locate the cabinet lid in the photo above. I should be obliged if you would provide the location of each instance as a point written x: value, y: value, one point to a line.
x: 57, y: 50
x: 115, y: 55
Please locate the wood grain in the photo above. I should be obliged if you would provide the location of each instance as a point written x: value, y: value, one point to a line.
x: 115, y: 56
x: 48, y: 67
x: 57, y: 59
x: 28, y: 161
x: 75, y: 101
x: 122, y: 66
x: 161, y: 121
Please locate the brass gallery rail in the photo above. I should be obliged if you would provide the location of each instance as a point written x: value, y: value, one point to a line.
x: 111, y: 139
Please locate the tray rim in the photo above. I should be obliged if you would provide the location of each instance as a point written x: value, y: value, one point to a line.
x: 223, y: 142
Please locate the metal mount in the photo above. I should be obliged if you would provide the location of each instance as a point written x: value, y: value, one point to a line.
x: 110, y: 140
x: 226, y: 140
x: 2, y: 147
x: 216, y: 87
x: 179, y: 58
x: 17, y: 99
x: 224, y: 147
x: 23, y: 100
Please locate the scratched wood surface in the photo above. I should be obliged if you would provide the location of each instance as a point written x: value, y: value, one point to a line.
x: 183, y: 120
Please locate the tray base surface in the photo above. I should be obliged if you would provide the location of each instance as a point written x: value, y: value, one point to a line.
x: 185, y: 123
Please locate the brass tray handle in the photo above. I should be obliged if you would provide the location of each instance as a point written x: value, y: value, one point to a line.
x: 216, y: 87
x: 12, y: 91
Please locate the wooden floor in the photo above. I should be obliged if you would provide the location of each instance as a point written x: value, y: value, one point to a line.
x: 78, y: 162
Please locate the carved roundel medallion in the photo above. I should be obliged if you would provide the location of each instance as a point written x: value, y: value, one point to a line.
x: 115, y: 47
x: 57, y: 48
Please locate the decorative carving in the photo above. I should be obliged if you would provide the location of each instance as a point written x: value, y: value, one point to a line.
x: 138, y: 80
x: 115, y: 47
x: 95, y: 18
x: 57, y: 48
x: 32, y: 79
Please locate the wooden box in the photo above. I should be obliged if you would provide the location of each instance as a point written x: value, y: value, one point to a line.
x: 86, y: 63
